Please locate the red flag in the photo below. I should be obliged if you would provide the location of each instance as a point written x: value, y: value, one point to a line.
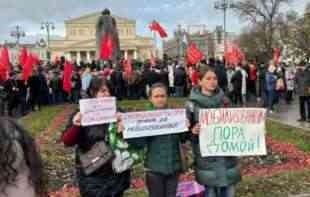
x: 36, y: 59
x: 276, y: 55
x: 194, y: 55
x: 155, y: 26
x: 27, y: 69
x: 107, y: 46
x: 5, y: 65
x: 23, y: 56
x: 67, y: 84
x: 233, y: 54
x: 127, y: 67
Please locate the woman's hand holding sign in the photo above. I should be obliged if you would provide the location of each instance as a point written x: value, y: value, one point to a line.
x: 77, y: 119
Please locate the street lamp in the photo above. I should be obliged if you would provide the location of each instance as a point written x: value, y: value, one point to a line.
x: 48, y: 26
x: 224, y: 5
x: 18, y: 33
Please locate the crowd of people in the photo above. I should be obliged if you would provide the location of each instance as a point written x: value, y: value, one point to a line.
x: 244, y: 84
x: 208, y: 85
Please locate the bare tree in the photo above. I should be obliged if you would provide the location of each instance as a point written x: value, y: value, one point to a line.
x: 262, y: 15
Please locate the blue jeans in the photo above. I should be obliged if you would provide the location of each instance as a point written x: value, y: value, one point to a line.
x: 228, y: 191
x: 271, y: 94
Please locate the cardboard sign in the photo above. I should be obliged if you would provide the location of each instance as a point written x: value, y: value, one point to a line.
x: 98, y: 111
x: 153, y: 123
x: 232, y: 132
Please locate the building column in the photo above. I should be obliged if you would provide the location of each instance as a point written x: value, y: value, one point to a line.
x: 78, y: 57
x: 125, y: 54
x: 68, y: 56
x: 88, y: 56
x: 135, y: 54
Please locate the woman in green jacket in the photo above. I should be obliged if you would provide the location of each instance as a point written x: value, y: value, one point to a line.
x: 162, y: 159
x: 218, y: 174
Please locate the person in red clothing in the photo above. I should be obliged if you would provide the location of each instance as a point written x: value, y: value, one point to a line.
x: 193, y: 75
x: 252, y: 79
x: 104, y: 182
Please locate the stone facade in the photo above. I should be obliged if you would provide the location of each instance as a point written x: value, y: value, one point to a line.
x: 79, y: 42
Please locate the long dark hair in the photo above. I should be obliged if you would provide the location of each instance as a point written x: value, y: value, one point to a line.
x: 13, y: 137
x: 96, y: 84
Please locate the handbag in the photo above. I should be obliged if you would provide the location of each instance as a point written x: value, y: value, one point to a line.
x: 99, y: 155
x: 280, y: 85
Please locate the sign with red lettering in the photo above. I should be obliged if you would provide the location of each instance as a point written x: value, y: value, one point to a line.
x: 232, y: 132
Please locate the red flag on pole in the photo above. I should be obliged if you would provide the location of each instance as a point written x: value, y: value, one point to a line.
x: 155, y: 26
x: 5, y: 65
x: 36, y: 59
x: 23, y: 56
x: 233, y: 54
x: 276, y: 55
x: 27, y: 69
x: 67, y: 84
x: 194, y: 55
x: 107, y: 46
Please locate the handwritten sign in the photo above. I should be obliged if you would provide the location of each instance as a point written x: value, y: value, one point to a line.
x: 153, y: 123
x: 232, y: 132
x: 98, y: 111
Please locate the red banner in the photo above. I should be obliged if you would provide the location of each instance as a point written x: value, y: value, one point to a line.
x: 233, y: 54
x: 67, y: 84
x: 5, y: 65
x: 23, y: 56
x: 194, y: 55
x: 155, y: 26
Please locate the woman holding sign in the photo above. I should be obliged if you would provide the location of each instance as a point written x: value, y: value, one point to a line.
x: 163, y: 158
x: 95, y: 174
x: 218, y: 174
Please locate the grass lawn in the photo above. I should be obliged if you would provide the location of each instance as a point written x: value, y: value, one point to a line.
x: 60, y: 160
x: 36, y: 122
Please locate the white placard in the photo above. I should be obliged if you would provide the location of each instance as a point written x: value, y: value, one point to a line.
x: 98, y: 111
x: 232, y: 132
x: 154, y: 123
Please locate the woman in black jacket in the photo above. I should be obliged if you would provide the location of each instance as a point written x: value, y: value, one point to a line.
x: 103, y: 182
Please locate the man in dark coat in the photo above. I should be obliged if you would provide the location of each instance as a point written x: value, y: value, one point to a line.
x: 180, y: 81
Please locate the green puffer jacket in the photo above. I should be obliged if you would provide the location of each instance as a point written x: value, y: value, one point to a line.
x: 210, y: 171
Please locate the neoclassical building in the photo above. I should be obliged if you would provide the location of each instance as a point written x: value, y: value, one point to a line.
x: 79, y: 42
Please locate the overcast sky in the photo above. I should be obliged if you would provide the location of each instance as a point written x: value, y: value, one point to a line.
x: 30, y: 13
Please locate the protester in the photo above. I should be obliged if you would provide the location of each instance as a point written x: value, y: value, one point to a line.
x: 180, y: 81
x: 271, y: 82
x: 163, y: 160
x: 290, y: 84
x: 21, y: 171
x: 103, y: 182
x: 219, y: 175
x: 303, y: 86
x: 237, y: 82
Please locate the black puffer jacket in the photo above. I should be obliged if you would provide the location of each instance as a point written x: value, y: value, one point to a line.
x: 103, y: 182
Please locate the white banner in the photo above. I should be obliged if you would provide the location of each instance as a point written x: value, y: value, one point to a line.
x: 232, y: 132
x: 98, y: 111
x: 153, y: 123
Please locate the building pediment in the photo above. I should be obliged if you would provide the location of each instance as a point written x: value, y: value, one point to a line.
x: 93, y: 18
